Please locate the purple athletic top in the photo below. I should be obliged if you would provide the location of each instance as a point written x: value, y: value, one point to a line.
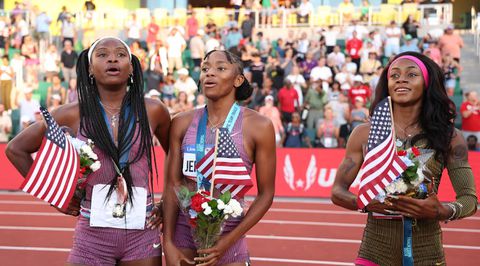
x: 189, y: 140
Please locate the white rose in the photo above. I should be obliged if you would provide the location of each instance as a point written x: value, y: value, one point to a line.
x: 419, y: 179
x: 77, y: 144
x: 207, y: 210
x: 236, y: 208
x: 220, y: 204
x: 92, y: 156
x: 205, y: 205
x: 390, y: 188
x: 228, y: 209
x: 400, y: 186
x: 90, y: 142
x: 95, y: 166
x: 86, y: 149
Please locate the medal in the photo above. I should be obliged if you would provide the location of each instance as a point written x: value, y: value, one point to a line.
x: 118, y: 210
x: 398, y: 143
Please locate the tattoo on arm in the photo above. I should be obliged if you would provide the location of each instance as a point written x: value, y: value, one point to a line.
x: 346, y: 166
x: 459, y: 152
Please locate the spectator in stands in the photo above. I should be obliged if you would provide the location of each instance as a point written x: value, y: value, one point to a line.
x: 154, y: 73
x: 409, y: 45
x: 192, y: 25
x: 359, y: 113
x: 270, y: 110
x: 133, y: 29
x: 369, y: 66
x: 5, y: 124
x: 451, y: 70
x: 433, y: 52
x: 21, y: 30
x: 182, y: 104
x: 298, y: 82
x: 42, y: 24
x: 138, y: 51
x: 257, y: 69
x: 410, y: 27
x: 304, y: 10
x: 211, y: 28
x: 392, y: 43
x: 346, y: 11
x: 328, y: 130
x: 321, y: 74
x: 294, y: 132
x: 51, y: 61
x: 341, y: 110
x: 237, y: 4
x: 364, y: 11
x: 275, y: 71
x: 345, y: 78
x: 470, y: 110
x: 247, y: 26
x: 374, y: 80
x: 368, y: 48
x: 6, y: 82
x: 315, y: 102
x: 231, y: 22
x: 88, y: 28
x: 233, y: 38
x: 55, y: 102
x: 68, y: 61
x: 56, y: 89
x: 359, y: 28
x: 213, y: 43
x: 287, y: 101
x: 330, y: 35
x: 29, y: 50
x: 359, y: 89
x: 62, y: 16
x: 72, y: 95
x: 337, y: 56
x: 472, y: 143
x: 267, y: 10
x: 28, y: 106
x: 186, y: 84
x: 354, y: 47
x: 288, y: 62
x: 17, y: 64
x: 450, y: 43
x: 197, y: 49
x: 152, y: 32
x: 168, y: 91
x: 68, y: 32
x: 175, y: 46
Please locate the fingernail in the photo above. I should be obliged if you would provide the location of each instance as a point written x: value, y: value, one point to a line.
x: 393, y: 196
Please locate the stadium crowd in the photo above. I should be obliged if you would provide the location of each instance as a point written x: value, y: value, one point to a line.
x: 316, y: 88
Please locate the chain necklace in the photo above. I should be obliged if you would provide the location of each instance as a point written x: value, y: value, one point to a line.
x: 213, y: 127
x: 113, y: 115
x: 402, y: 142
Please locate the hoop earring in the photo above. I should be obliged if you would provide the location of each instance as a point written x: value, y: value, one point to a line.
x: 92, y: 79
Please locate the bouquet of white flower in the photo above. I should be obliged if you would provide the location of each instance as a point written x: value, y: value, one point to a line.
x: 207, y: 214
x: 89, y: 163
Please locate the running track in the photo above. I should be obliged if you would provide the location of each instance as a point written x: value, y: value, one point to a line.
x: 293, y: 232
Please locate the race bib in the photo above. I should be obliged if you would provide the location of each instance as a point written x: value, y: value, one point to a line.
x: 188, y: 164
x: 101, y: 212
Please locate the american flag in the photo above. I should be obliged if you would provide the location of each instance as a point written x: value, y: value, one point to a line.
x: 54, y: 173
x: 381, y: 164
x: 230, y: 171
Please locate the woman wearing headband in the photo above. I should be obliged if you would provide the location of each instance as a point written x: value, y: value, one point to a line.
x: 423, y: 117
x: 113, y: 113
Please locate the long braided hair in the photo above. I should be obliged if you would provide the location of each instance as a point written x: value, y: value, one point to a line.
x: 93, y: 126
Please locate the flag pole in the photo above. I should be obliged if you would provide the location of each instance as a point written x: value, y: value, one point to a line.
x: 215, y: 153
x: 391, y: 116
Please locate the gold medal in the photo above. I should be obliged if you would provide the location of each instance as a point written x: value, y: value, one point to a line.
x: 118, y: 210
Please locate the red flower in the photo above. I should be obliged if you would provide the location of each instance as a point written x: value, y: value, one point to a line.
x: 197, y: 201
x: 402, y: 153
x: 193, y: 222
x: 83, y: 170
x: 415, y: 151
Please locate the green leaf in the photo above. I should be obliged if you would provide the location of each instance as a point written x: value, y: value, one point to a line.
x: 225, y: 197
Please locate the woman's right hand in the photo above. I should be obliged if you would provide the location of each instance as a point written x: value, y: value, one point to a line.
x: 173, y: 255
x: 378, y: 207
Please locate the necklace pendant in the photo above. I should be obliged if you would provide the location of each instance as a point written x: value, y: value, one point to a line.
x: 118, y: 210
x: 398, y: 143
x: 113, y: 120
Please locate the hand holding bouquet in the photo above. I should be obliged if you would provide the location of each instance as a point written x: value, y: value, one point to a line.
x: 207, y: 214
x: 412, y: 182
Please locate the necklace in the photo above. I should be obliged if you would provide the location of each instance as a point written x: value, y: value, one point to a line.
x: 113, y: 115
x: 213, y: 127
x: 402, y: 142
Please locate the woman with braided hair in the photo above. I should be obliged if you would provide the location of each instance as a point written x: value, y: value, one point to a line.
x: 118, y: 216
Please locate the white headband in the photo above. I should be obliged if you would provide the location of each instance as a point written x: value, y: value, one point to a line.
x: 90, y: 51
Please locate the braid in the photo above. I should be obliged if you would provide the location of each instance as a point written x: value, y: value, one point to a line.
x: 93, y: 126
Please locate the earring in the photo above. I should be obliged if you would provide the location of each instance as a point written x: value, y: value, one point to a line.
x: 131, y: 78
x: 91, y: 79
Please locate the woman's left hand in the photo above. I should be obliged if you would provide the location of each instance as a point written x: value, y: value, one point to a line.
x: 213, y: 254
x: 157, y: 216
x: 428, y: 208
